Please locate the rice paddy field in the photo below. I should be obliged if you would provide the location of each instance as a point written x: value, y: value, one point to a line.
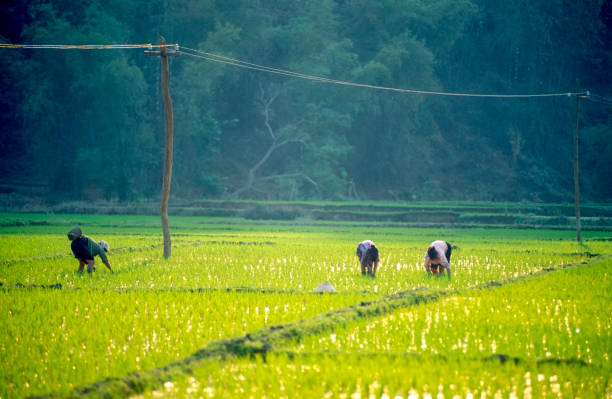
x: 233, y: 312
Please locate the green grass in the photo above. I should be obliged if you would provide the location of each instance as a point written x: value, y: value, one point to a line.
x: 400, y: 214
x: 53, y: 341
x: 352, y: 376
x: 564, y: 315
x: 228, y: 279
x: 553, y: 334
x: 287, y: 261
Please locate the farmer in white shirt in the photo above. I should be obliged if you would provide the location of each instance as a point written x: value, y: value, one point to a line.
x: 437, y: 258
x: 368, y: 257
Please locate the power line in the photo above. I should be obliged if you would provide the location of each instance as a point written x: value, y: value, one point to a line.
x: 600, y: 99
x: 248, y: 65
x: 258, y: 67
x: 77, y: 46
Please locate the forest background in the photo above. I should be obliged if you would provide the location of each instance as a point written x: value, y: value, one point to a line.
x: 89, y: 124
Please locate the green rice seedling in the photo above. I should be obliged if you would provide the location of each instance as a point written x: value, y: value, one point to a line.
x: 55, y: 340
x: 17, y: 247
x: 564, y: 315
x: 225, y: 280
x: 291, y: 262
x: 482, y: 344
x: 379, y: 376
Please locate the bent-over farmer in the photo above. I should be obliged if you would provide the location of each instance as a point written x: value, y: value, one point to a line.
x: 368, y: 257
x: 85, y: 249
x: 437, y: 258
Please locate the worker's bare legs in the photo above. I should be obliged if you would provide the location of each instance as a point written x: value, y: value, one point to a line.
x: 81, y: 265
x: 90, y: 266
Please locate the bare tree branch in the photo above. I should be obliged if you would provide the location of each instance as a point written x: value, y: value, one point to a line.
x: 251, y: 176
x: 282, y: 143
x: 302, y: 175
x: 266, y: 101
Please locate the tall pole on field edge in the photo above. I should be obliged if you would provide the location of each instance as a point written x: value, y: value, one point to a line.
x: 576, y: 180
x: 163, y: 53
x: 576, y: 156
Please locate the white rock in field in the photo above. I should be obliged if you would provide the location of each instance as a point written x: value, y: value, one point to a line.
x: 325, y: 287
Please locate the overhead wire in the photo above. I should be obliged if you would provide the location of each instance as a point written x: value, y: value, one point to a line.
x: 78, y: 46
x: 249, y: 65
x: 256, y: 67
x: 599, y: 99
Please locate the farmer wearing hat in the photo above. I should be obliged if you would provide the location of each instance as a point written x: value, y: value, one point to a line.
x: 85, y: 249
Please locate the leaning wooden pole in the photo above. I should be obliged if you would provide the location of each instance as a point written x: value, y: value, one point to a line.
x: 167, y: 179
x: 576, y: 171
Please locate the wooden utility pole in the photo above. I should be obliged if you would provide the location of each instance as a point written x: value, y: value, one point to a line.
x: 576, y: 181
x: 576, y: 154
x: 163, y: 53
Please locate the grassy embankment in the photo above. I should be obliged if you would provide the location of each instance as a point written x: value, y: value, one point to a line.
x: 411, y: 214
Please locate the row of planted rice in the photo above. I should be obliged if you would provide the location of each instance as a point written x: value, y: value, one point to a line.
x: 546, y: 337
x: 153, y: 311
x: 54, y: 340
x: 285, y: 261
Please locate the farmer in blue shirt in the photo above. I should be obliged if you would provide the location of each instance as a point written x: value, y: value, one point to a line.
x: 85, y: 249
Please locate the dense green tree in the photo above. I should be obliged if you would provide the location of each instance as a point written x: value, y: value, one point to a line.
x: 289, y: 134
x: 523, y: 47
x: 90, y: 123
x: 398, y: 145
x: 84, y: 110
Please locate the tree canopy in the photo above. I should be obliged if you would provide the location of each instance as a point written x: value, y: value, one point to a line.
x: 89, y: 124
